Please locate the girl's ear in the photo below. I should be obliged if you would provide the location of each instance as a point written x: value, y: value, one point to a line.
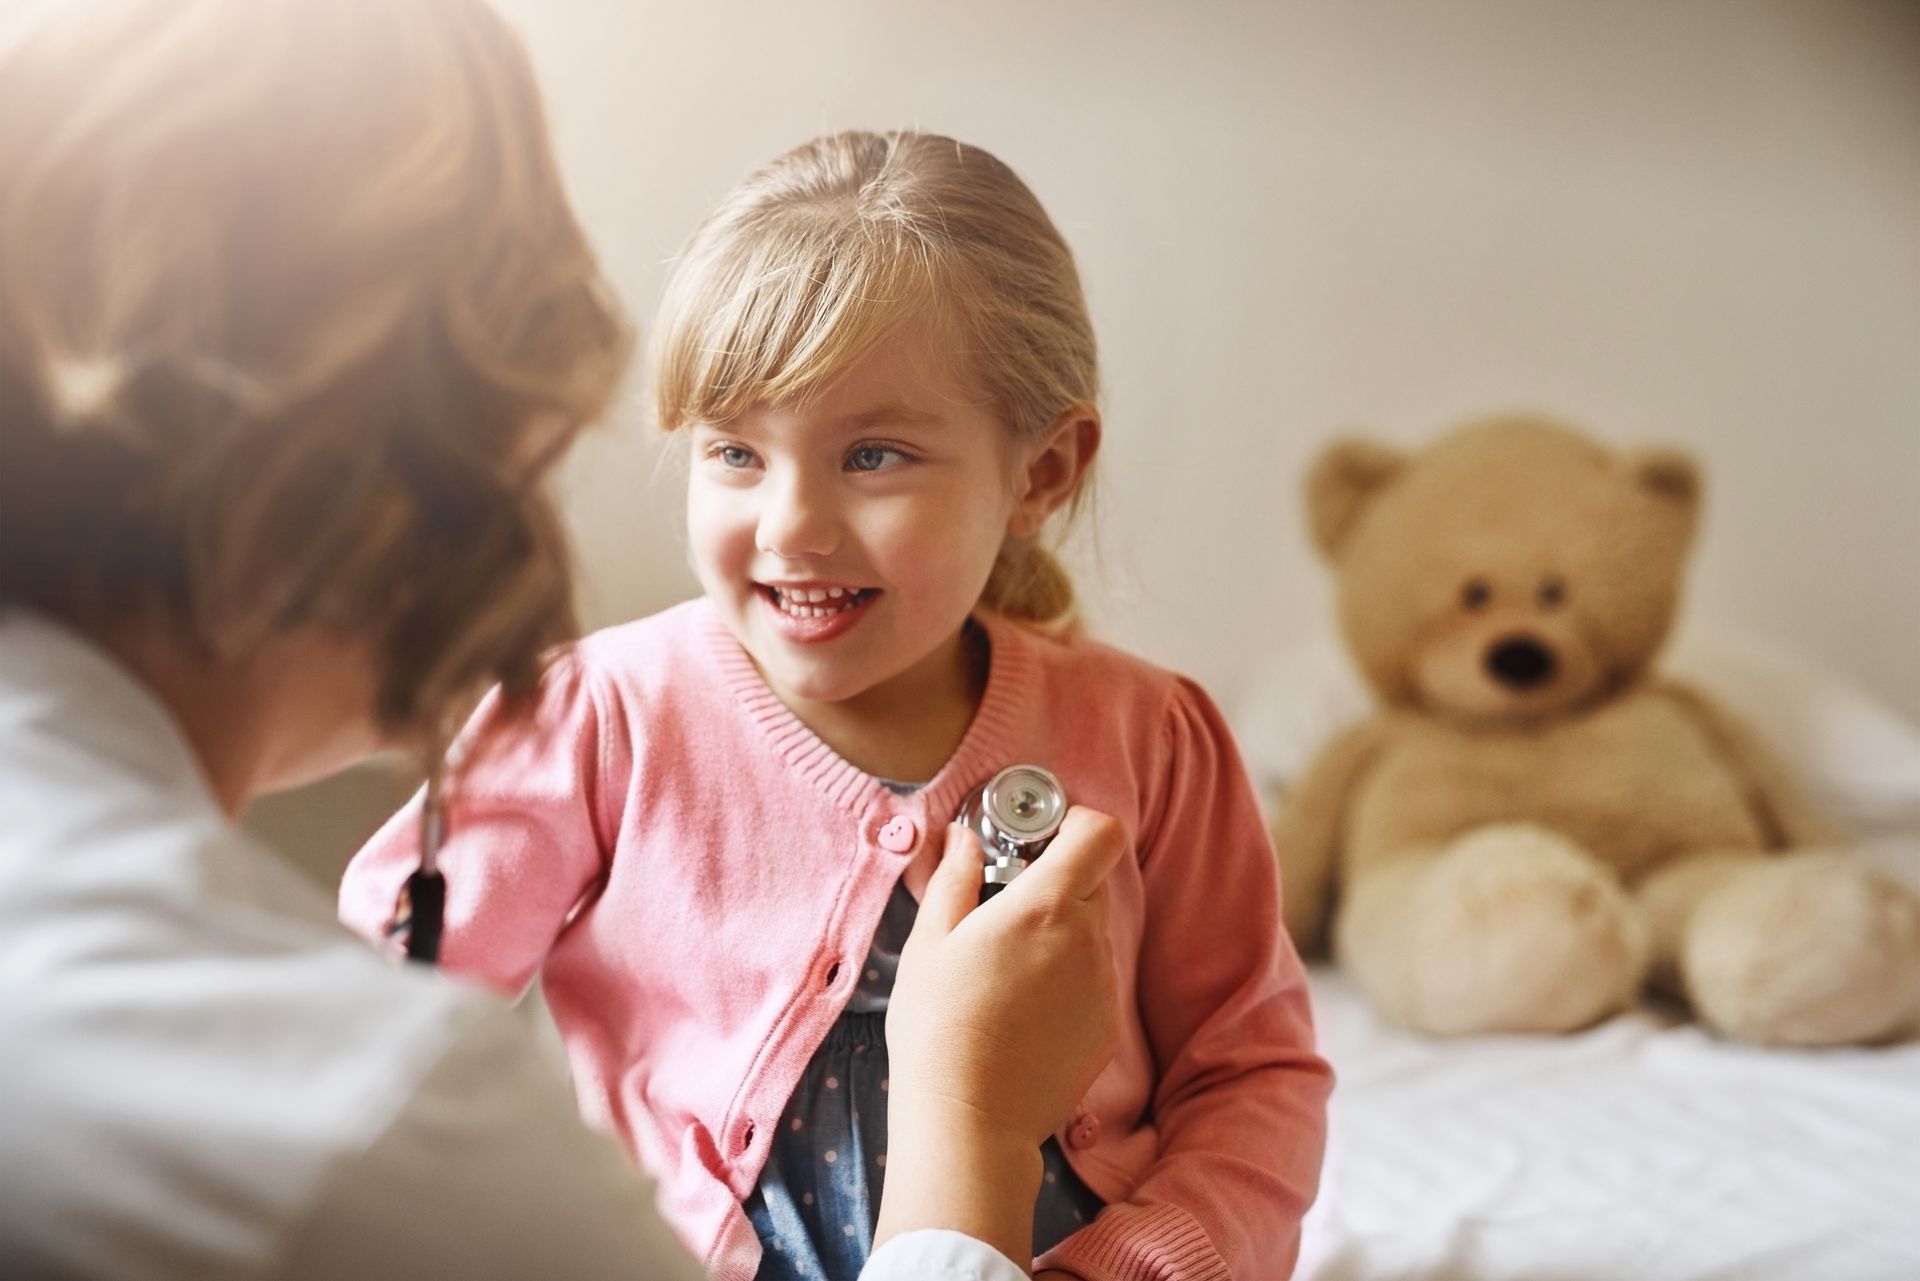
x: 1052, y: 475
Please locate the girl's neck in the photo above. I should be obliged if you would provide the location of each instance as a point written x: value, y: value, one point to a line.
x: 906, y: 729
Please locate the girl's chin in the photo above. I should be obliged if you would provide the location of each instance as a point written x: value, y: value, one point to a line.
x: 816, y: 681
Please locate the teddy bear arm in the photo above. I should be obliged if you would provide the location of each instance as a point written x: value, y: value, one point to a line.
x: 1307, y: 833
x: 1789, y: 818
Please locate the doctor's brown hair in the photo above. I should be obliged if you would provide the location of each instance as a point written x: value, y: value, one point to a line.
x: 294, y: 321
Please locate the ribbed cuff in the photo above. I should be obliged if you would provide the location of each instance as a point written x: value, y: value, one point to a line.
x: 1139, y: 1243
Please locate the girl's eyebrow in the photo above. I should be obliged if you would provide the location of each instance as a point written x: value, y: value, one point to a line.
x: 892, y: 415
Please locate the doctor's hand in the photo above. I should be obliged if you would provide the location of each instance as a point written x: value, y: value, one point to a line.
x: 1001, y: 1017
x: 1008, y: 1010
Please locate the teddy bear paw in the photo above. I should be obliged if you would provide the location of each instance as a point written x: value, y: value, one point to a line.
x: 1811, y: 949
x: 1520, y: 930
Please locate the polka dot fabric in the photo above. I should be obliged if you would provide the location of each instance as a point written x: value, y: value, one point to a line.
x: 819, y: 1196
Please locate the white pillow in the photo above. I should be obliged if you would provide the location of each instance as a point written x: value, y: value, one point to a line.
x: 1857, y: 758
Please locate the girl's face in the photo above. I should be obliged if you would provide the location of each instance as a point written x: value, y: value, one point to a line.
x: 845, y: 541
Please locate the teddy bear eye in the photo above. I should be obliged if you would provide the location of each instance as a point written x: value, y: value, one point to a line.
x: 1552, y: 593
x: 1476, y: 593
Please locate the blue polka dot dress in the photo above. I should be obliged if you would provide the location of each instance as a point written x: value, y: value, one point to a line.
x: 818, y: 1198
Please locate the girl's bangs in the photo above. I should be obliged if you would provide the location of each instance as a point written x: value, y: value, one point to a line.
x: 777, y: 323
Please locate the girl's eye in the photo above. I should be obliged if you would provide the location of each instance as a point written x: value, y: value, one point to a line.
x: 732, y: 457
x: 873, y: 457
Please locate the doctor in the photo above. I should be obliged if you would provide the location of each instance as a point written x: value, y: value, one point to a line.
x: 294, y: 321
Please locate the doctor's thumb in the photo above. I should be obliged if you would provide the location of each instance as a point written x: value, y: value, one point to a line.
x: 954, y: 888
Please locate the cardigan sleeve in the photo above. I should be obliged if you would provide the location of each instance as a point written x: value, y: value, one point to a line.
x: 1240, y: 1105
x: 525, y: 839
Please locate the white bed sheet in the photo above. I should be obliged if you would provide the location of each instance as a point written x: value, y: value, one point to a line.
x: 1644, y: 1148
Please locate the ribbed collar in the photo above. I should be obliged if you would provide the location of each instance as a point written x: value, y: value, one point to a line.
x: 984, y: 749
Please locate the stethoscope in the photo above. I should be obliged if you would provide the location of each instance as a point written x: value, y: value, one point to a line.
x: 419, y: 917
x: 1015, y: 815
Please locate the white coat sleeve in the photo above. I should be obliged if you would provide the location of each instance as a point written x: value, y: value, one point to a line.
x: 935, y: 1254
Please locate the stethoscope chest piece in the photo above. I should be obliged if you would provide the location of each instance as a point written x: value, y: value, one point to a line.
x: 1015, y: 814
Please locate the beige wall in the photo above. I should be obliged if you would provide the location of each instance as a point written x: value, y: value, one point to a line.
x: 1697, y: 223
x: 1693, y: 222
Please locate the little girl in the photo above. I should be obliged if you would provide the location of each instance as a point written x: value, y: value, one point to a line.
x: 711, y: 848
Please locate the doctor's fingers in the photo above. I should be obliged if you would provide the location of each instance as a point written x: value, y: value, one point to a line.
x: 1078, y: 860
x: 954, y: 888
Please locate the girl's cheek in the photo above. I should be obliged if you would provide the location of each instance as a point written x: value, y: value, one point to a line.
x: 714, y: 521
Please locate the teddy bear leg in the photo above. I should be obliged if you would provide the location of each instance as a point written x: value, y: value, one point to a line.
x: 1510, y: 928
x: 1671, y: 896
x: 1807, y: 948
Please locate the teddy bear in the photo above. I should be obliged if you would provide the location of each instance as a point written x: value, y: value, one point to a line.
x: 1534, y: 826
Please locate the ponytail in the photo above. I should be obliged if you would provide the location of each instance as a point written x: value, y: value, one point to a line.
x: 1029, y: 585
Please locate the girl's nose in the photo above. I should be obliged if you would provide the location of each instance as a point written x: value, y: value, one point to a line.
x: 797, y: 522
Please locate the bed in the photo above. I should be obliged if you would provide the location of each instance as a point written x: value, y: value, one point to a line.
x: 1643, y: 1148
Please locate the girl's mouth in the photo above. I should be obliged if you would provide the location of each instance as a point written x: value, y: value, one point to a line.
x: 816, y: 602
x: 810, y: 613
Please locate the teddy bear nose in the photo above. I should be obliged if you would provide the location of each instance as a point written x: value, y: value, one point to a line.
x: 1521, y: 663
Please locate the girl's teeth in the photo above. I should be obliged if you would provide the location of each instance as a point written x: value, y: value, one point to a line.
x: 801, y: 602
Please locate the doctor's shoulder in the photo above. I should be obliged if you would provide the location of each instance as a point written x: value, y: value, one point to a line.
x: 202, y: 1074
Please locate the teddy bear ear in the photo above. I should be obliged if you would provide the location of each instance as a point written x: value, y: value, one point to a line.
x: 1667, y: 474
x: 1346, y: 477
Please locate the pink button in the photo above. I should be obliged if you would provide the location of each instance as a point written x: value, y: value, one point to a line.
x: 900, y: 834
x: 1084, y: 1132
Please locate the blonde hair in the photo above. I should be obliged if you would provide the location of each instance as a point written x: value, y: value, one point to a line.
x: 813, y: 260
x: 295, y: 319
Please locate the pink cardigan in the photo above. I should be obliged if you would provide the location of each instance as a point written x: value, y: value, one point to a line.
x: 695, y: 876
